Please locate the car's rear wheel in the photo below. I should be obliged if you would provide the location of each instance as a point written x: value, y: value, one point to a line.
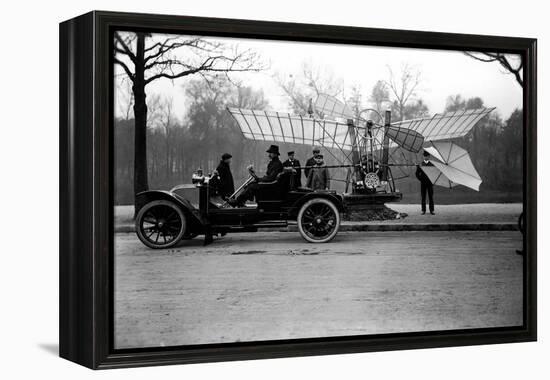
x: 318, y: 220
x: 160, y: 224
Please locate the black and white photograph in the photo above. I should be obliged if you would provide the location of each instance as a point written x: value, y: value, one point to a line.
x: 276, y: 190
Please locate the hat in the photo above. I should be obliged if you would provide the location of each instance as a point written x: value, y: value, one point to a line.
x: 316, y: 149
x: 273, y: 149
x: 290, y: 153
x: 225, y: 156
x: 425, y: 154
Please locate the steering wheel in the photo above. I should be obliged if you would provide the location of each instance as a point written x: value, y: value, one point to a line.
x: 253, y: 173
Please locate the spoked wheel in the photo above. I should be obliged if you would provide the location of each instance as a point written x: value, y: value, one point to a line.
x: 318, y: 220
x: 160, y: 224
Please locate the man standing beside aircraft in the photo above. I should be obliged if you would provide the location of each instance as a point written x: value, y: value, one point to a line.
x: 426, y: 186
x: 311, y: 161
x: 294, y: 163
x: 318, y: 178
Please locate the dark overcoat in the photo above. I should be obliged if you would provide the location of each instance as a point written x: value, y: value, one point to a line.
x: 422, y: 177
x: 273, y: 169
x: 309, y: 163
x: 296, y: 165
x: 319, y: 178
x: 225, y: 184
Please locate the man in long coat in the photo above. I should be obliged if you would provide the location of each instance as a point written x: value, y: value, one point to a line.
x: 318, y: 178
x: 311, y: 161
x: 426, y: 186
x: 224, y: 183
x: 294, y: 163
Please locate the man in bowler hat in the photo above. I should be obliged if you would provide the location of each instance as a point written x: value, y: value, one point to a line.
x: 426, y: 186
x: 274, y: 167
x: 292, y: 162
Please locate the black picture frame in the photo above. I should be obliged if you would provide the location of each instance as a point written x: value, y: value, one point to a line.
x: 86, y: 189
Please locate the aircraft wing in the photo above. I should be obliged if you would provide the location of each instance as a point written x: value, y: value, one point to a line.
x: 449, y: 125
x: 332, y: 107
x: 284, y: 127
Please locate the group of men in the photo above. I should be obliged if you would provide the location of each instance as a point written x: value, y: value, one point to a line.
x: 315, y: 171
x: 316, y: 174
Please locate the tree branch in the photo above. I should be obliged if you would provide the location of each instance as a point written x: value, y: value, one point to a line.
x: 503, y: 61
x: 165, y: 46
x: 126, y: 69
x: 472, y: 55
x: 208, y: 65
x: 125, y: 49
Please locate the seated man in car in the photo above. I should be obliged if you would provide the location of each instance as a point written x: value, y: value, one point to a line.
x: 274, y: 168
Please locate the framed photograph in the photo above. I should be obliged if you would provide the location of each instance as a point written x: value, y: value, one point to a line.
x: 235, y: 189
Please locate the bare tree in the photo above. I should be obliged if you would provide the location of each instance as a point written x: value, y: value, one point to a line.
x: 355, y: 100
x: 403, y: 87
x: 455, y: 103
x: 380, y: 96
x: 125, y: 99
x: 312, y: 82
x: 154, y: 110
x: 146, y: 58
x: 168, y: 123
x: 513, y: 64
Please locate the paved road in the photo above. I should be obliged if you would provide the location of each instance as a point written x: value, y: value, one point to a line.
x: 264, y: 286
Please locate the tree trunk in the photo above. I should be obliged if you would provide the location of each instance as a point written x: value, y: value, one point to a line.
x: 168, y: 172
x: 140, y: 114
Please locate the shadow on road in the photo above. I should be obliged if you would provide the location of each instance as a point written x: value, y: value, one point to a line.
x: 52, y: 348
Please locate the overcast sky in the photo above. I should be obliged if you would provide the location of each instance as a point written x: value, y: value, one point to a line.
x: 444, y: 73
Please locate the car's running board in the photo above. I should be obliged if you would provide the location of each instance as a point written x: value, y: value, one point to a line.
x: 250, y: 227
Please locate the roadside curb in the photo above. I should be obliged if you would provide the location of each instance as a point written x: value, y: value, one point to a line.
x: 355, y: 227
x: 424, y: 227
x: 125, y: 228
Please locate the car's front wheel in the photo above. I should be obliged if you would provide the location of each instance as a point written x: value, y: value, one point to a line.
x: 160, y: 224
x: 318, y: 220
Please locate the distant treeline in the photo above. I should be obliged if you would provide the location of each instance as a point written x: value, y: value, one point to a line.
x: 176, y: 149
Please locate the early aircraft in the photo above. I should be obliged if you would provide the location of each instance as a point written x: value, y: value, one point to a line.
x: 363, y: 145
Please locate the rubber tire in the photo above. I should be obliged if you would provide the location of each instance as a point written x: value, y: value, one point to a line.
x: 150, y: 205
x: 301, y: 213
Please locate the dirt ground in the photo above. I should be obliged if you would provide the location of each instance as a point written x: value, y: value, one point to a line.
x: 263, y: 286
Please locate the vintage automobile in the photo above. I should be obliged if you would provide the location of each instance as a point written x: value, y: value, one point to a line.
x: 168, y: 217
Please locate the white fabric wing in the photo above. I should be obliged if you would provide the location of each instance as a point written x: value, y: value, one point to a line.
x: 330, y: 106
x: 436, y: 176
x: 284, y: 127
x: 457, y: 176
x: 455, y: 164
x: 434, y: 152
x: 446, y: 126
